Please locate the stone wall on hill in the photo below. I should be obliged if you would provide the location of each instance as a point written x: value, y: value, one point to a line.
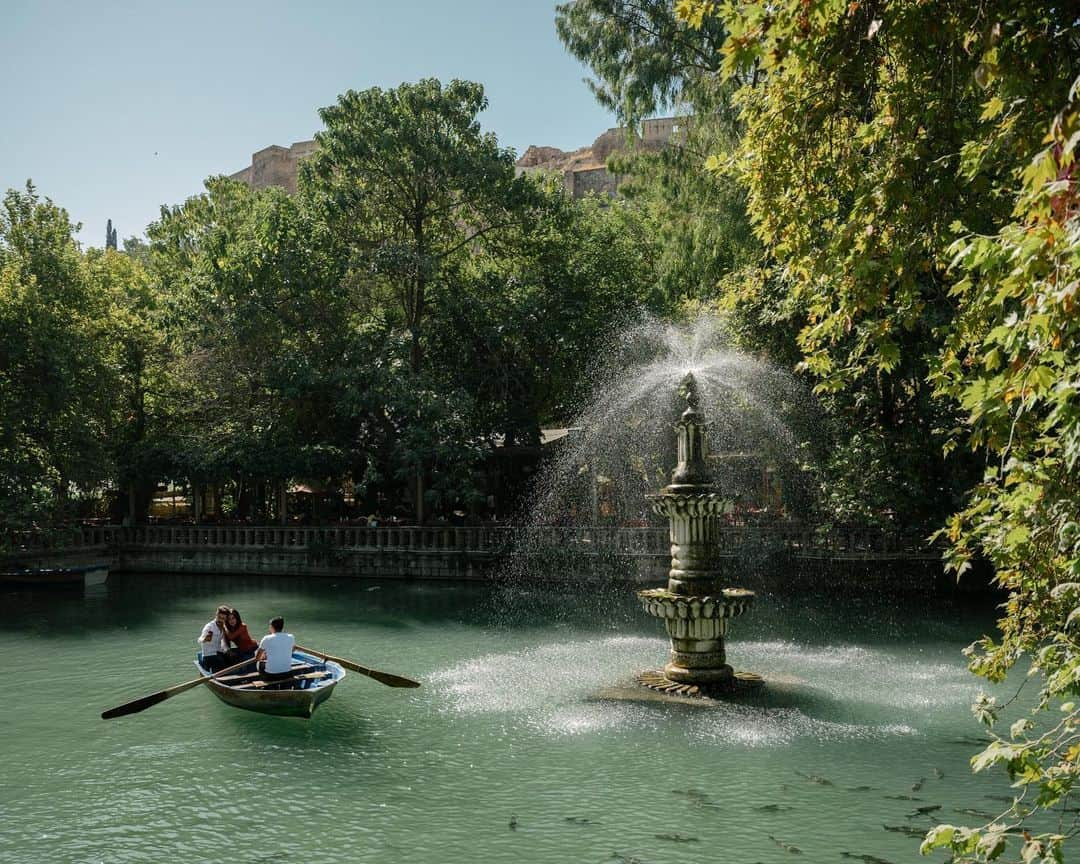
x: 584, y: 171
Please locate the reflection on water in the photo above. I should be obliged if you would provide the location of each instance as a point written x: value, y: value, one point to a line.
x: 506, y: 753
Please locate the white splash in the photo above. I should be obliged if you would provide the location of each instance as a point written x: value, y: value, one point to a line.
x: 550, y: 689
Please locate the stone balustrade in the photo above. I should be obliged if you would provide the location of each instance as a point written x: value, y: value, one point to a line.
x: 732, y: 541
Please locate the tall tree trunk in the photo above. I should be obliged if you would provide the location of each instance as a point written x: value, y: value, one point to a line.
x: 416, y: 360
x: 415, y: 351
x: 141, y: 490
x: 243, y: 498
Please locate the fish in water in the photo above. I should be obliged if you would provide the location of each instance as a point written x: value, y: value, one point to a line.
x: 693, y: 794
x: 1007, y: 798
x: 869, y: 859
x: 697, y: 797
x: 626, y: 859
x: 924, y: 811
x: 787, y: 847
x: 676, y: 838
x: 910, y: 830
x: 579, y: 820
x: 860, y: 788
x: 815, y: 778
x: 939, y: 774
x: 513, y: 822
x: 901, y: 798
x: 773, y: 808
x: 917, y: 785
x: 969, y: 811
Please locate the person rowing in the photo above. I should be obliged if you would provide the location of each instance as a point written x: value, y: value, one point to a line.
x: 274, y: 654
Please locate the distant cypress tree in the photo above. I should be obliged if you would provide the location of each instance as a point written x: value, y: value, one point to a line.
x: 110, y: 236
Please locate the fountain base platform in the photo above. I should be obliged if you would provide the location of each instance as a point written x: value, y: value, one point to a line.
x: 737, y: 684
x: 653, y: 688
x: 774, y: 691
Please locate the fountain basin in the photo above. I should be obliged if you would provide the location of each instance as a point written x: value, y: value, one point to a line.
x: 697, y: 626
x: 727, y: 603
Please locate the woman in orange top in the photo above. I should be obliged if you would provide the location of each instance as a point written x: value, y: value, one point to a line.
x: 236, y: 632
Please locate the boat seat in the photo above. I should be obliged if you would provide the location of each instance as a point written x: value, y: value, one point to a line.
x: 297, y: 682
x: 232, y: 680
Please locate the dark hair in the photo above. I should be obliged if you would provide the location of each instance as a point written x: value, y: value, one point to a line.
x: 236, y: 612
x: 222, y: 610
x: 278, y: 624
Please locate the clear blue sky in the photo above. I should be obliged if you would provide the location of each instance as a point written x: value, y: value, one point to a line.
x: 115, y: 108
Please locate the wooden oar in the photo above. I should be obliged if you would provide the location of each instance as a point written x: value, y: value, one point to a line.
x: 148, y: 701
x: 382, y: 677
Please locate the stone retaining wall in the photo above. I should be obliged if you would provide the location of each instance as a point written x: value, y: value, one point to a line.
x: 639, y: 555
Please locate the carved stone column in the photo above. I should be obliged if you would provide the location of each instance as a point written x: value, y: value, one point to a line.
x: 694, y: 607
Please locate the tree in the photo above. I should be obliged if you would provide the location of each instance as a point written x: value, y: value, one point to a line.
x: 137, y: 355
x: 258, y: 324
x: 1013, y: 362
x: 523, y: 324
x: 911, y: 166
x: 697, y: 217
x: 55, y: 386
x: 748, y: 265
x: 646, y: 58
x: 408, y: 180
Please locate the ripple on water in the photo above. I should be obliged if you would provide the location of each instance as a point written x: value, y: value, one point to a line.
x: 855, y: 674
x: 756, y: 727
x: 549, y: 688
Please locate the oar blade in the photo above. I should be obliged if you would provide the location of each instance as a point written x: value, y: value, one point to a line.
x: 154, y: 698
x: 136, y: 706
x: 390, y: 680
x: 386, y: 678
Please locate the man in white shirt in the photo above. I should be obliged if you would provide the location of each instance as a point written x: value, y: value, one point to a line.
x: 274, y: 654
x: 212, y: 641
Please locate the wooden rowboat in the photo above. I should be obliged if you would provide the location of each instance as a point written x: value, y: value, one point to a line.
x: 312, y: 683
x: 52, y: 577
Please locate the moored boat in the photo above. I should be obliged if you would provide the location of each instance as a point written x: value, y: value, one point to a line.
x: 312, y: 682
x: 43, y: 577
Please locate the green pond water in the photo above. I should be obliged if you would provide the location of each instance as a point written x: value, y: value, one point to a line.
x: 504, y: 755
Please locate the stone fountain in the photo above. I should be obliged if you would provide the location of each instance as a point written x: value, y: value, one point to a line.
x: 695, y: 607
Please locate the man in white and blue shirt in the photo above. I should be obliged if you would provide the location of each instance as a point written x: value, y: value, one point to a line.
x: 274, y: 654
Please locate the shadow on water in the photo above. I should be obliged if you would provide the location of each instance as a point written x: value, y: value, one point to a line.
x: 139, y: 602
x: 335, y: 724
x: 790, y: 693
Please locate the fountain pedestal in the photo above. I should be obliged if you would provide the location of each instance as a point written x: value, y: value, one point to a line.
x: 695, y: 607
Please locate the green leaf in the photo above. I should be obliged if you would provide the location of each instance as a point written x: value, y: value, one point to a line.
x: 1017, y: 535
x: 937, y: 837
x: 992, y: 108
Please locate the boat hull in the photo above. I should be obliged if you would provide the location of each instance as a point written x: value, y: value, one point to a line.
x: 281, y: 703
x: 57, y: 577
